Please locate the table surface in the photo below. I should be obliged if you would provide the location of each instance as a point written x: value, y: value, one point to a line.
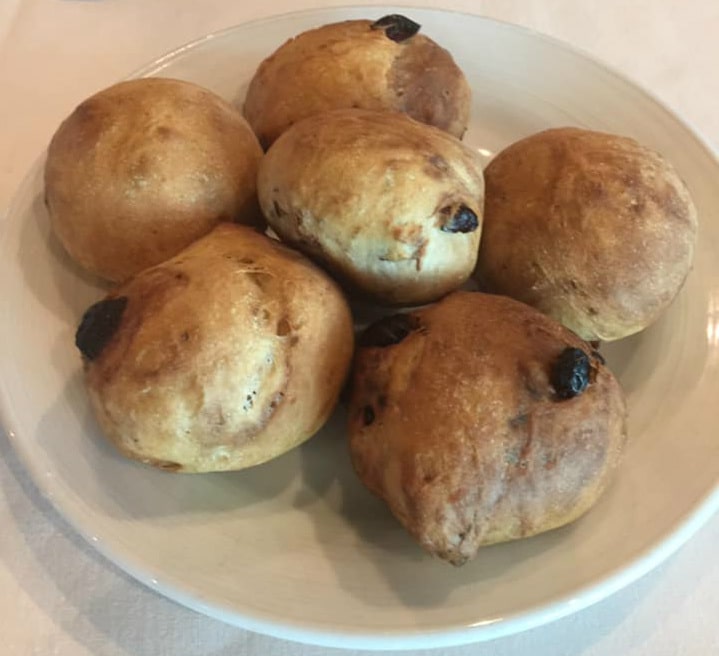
x: 57, y: 596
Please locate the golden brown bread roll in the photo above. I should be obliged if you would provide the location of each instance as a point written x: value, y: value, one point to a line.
x: 142, y: 169
x: 480, y: 420
x: 383, y: 65
x: 591, y: 228
x: 223, y: 357
x: 391, y: 206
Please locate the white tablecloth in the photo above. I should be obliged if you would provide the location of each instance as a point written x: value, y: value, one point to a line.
x: 57, y: 596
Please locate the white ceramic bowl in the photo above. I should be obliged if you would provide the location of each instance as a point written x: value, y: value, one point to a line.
x: 297, y: 548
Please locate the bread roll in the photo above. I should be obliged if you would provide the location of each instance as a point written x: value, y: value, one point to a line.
x: 591, y: 228
x: 142, y: 169
x: 383, y: 65
x: 223, y: 357
x: 391, y: 206
x: 480, y: 420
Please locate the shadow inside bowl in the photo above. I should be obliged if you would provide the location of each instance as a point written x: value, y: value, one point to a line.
x: 52, y: 277
x: 415, y: 578
x: 130, y: 490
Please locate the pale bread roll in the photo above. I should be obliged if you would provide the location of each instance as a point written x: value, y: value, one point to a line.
x: 391, y: 206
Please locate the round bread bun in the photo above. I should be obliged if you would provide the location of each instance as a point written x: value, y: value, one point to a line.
x: 225, y: 356
x: 142, y: 169
x: 391, y: 206
x: 480, y: 420
x: 383, y: 65
x: 591, y: 228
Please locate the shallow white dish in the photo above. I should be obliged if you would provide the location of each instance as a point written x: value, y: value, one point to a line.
x: 297, y: 548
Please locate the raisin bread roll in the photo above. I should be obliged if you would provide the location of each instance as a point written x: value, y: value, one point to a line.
x: 391, y: 206
x: 480, y: 420
x: 385, y: 65
x: 223, y: 357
